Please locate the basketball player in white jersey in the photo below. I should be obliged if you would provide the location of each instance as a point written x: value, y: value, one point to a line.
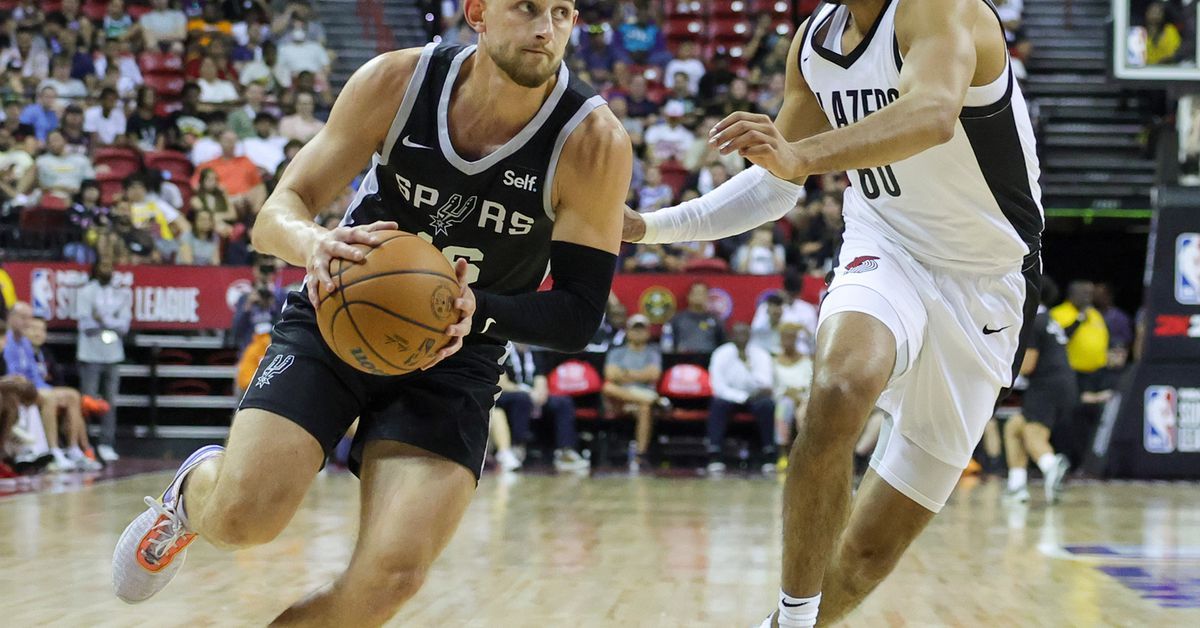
x: 497, y: 155
x: 936, y: 281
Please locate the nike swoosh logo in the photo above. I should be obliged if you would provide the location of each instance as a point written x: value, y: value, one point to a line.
x: 792, y: 605
x: 486, y: 324
x: 411, y: 144
x: 987, y: 331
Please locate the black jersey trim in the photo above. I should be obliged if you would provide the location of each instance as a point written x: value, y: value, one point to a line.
x: 406, y: 105
x: 584, y: 111
x: 847, y: 60
x: 510, y: 147
x: 896, y: 51
x: 996, y: 142
x: 1029, y: 312
x: 808, y: 26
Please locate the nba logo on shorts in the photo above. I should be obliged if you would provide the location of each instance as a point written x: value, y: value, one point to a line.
x: 1187, y: 268
x: 1160, y: 415
x: 41, y: 288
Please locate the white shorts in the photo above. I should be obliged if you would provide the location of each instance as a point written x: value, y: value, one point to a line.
x: 958, y: 335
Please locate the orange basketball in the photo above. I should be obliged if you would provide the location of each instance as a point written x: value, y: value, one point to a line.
x: 390, y: 312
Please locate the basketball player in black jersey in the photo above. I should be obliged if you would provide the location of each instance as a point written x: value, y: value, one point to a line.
x: 509, y: 165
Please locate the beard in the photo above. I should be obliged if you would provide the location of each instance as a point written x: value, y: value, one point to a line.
x: 512, y: 62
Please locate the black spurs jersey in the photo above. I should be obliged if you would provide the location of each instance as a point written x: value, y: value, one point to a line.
x: 495, y: 212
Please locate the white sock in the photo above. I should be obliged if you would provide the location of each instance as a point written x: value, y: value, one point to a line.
x: 798, y: 612
x: 1046, y: 463
x: 1017, y: 478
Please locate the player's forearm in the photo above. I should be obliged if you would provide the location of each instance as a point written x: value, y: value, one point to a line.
x: 285, y: 228
x: 910, y: 125
x: 749, y: 199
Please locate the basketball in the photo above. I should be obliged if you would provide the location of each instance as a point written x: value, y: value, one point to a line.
x: 389, y: 313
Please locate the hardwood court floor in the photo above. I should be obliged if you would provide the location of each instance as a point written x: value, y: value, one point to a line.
x: 565, y: 551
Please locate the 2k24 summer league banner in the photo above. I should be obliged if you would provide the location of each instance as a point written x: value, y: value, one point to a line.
x: 203, y: 297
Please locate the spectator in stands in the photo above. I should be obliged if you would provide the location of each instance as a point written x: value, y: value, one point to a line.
x: 117, y: 23
x: 654, y: 194
x: 297, y: 53
x: 1119, y: 324
x: 701, y: 153
x: 163, y: 222
x: 68, y: 402
x: 124, y: 243
x: 611, y: 332
x: 770, y: 97
x: 302, y: 125
x: 669, y: 139
x: 211, y: 24
x: 15, y: 162
x: 105, y: 121
x: 41, y: 115
x: 524, y: 394
x: 201, y: 246
x: 742, y: 378
x: 759, y: 256
x: 638, y: 102
x: 30, y: 62
x: 795, y: 310
x: 87, y: 218
x: 215, y: 92
x: 237, y: 174
x: 696, y: 329
x: 715, y: 82
x: 58, y: 172
x: 208, y: 146
x: 164, y: 27
x: 648, y: 258
x: 298, y: 10
x: 210, y: 197
x: 306, y: 83
x: 145, y: 129
x: 119, y: 54
x: 79, y: 141
x: 738, y: 99
x: 643, y: 40
x: 1086, y: 329
x: 688, y: 62
x: 188, y: 122
x: 630, y: 374
x: 20, y: 359
x: 19, y: 435
x: 256, y: 313
x: 69, y: 89
x: 259, y: 70
x: 21, y: 132
x: 265, y: 147
x: 1163, y: 40
x: 598, y: 54
x: 105, y: 312
x: 769, y: 336
x: 218, y: 51
x: 242, y: 119
x: 793, y: 380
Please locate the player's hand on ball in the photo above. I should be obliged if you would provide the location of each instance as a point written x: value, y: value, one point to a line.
x: 754, y: 136
x: 337, y: 243
x: 465, y: 304
x: 634, y: 228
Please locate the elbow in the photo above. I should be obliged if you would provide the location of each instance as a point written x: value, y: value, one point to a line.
x: 943, y: 122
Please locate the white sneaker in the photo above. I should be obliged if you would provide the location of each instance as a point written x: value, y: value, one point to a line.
x: 1054, y: 479
x: 716, y: 467
x: 106, y: 453
x: 570, y: 460
x: 507, y: 460
x: 1019, y: 495
x: 61, y: 463
x: 153, y: 547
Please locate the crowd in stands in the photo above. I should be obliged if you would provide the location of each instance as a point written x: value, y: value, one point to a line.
x: 152, y: 130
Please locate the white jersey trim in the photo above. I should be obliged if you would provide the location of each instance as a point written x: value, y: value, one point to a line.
x: 585, y: 110
x: 406, y: 105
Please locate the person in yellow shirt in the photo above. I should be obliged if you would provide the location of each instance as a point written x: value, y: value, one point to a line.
x: 1162, y: 37
x: 1087, y: 349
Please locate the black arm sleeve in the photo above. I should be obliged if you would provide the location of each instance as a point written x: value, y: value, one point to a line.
x: 563, y: 318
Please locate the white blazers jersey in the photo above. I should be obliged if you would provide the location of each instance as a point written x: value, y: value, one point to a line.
x: 972, y: 203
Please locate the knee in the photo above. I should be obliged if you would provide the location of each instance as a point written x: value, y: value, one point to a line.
x: 243, y: 521
x: 391, y: 582
x: 865, y: 563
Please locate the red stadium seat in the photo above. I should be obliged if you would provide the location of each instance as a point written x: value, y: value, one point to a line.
x: 166, y: 85
x: 137, y: 9
x: 161, y: 63
x: 175, y: 162
x: 731, y: 8
x: 574, y: 378
x: 730, y: 30
x: 685, y: 381
x: 689, y: 8
x: 9, y: 5
x: 53, y: 201
x: 110, y: 187
x: 188, y: 387
x: 684, y: 29
x: 674, y: 175
x: 43, y: 221
x: 121, y: 162
x: 94, y: 9
x: 175, y: 357
x: 708, y: 265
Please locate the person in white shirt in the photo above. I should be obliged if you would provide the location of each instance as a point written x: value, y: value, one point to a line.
x: 795, y: 310
x: 265, y: 148
x: 69, y: 89
x: 669, y: 139
x: 759, y: 256
x: 297, y: 53
x: 793, y: 380
x: 163, y: 25
x: 213, y: 89
x: 106, y: 121
x: 688, y: 62
x: 742, y: 377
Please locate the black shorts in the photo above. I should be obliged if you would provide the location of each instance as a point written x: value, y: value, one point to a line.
x: 1051, y: 402
x: 444, y: 410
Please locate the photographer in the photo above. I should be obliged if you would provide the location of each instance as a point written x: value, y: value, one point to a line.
x: 256, y: 313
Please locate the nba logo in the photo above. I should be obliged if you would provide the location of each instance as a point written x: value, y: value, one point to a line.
x: 1187, y: 268
x: 1161, y: 412
x: 41, y: 289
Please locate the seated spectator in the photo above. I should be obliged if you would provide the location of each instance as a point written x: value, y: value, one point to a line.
x: 795, y: 310
x: 742, y: 378
x: 643, y: 40
x: 715, y: 82
x: 1163, y: 41
x: 654, y: 194
x: 163, y: 27
x: 117, y: 23
x: 759, y: 256
x: 633, y: 126
x: 218, y: 51
x: 612, y: 328
x: 638, y: 102
x: 201, y: 246
x: 119, y: 54
x: 208, y: 147
x: 265, y: 147
x: 15, y: 162
x: 669, y: 139
x: 298, y: 10
x: 738, y: 99
x: 711, y: 177
x: 631, y: 372
x: 770, y: 98
x: 68, y: 403
x: 237, y: 174
x: 695, y: 329
x: 188, y: 122
x: 87, y: 217
x: 69, y: 89
x: 500, y: 438
x: 211, y: 24
x: 22, y: 436
x: 210, y: 197
x: 307, y: 83
x: 648, y: 258
x: 302, y: 125
x: 163, y: 222
x: 105, y: 121
x: 215, y: 92
x: 30, y: 62
x: 41, y: 116
x: 682, y: 93
x: 701, y: 153
x: 124, y: 243
x: 241, y: 120
x: 19, y: 359
x: 688, y: 63
x: 105, y: 312
x: 145, y: 129
x: 22, y: 132
x: 79, y: 141
x: 524, y: 394
x: 297, y: 53
x: 259, y: 70
x: 768, y: 336
x: 597, y: 54
x: 57, y: 172
x: 793, y: 381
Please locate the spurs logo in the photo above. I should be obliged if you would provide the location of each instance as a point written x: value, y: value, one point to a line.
x: 453, y: 212
x: 278, y: 364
